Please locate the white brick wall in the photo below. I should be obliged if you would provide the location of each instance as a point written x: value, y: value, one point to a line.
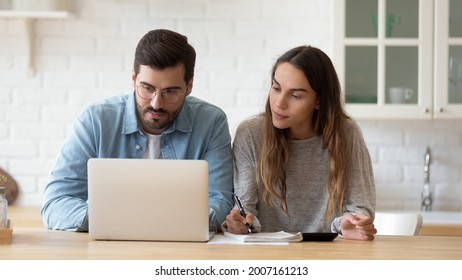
x: 397, y: 150
x: 89, y: 56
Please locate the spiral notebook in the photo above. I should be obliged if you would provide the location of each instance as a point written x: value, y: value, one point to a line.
x: 148, y: 200
x: 279, y: 236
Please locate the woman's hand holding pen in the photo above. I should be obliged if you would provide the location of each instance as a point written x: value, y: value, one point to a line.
x: 236, y: 223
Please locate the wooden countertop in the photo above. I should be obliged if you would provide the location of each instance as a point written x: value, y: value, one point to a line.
x: 25, y: 216
x: 32, y: 241
x: 38, y: 243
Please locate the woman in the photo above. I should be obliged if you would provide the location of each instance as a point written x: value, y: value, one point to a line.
x: 303, y: 164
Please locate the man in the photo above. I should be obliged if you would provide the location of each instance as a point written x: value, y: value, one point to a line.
x: 159, y: 120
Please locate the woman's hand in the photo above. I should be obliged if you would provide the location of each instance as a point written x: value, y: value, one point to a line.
x: 238, y: 224
x: 359, y: 227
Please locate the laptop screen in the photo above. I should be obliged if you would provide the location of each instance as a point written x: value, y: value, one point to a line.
x: 146, y: 199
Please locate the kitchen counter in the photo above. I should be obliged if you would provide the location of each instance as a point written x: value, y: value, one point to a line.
x: 434, y: 223
x: 32, y: 241
x: 40, y: 243
x: 442, y: 223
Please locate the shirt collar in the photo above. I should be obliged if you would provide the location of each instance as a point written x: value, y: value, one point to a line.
x: 131, y: 123
x: 183, y: 121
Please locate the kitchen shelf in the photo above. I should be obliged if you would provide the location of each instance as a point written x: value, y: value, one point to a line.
x: 27, y: 18
x: 33, y: 14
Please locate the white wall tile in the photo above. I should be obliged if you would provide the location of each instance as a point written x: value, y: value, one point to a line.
x: 60, y: 44
x: 12, y: 148
x: 177, y: 9
x: 4, y: 130
x: 67, y: 79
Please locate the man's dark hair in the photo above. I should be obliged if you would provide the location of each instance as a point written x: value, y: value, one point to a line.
x: 161, y: 48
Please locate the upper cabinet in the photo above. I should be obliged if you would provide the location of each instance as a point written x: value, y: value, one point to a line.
x: 448, y: 58
x: 399, y: 58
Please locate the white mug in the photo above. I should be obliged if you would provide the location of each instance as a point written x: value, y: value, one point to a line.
x: 400, y: 94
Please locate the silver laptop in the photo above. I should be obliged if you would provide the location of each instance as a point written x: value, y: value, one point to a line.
x: 150, y: 200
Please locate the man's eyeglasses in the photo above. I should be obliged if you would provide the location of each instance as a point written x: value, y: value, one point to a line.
x: 168, y: 95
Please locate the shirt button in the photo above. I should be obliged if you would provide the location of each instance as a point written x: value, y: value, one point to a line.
x: 138, y: 147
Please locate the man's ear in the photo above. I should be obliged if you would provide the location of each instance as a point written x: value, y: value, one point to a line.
x: 134, y: 78
x: 189, y: 86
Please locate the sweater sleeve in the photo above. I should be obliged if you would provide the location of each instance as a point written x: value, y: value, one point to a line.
x: 246, y: 142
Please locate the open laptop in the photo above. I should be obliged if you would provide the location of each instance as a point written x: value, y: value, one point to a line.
x: 149, y: 200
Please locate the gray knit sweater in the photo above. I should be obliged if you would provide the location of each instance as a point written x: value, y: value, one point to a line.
x: 306, y: 177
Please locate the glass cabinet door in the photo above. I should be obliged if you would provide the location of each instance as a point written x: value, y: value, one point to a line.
x: 448, y: 63
x: 361, y: 74
x: 361, y: 18
x: 402, y: 19
x: 399, y: 58
x: 376, y: 35
x: 401, y: 62
x: 401, y: 75
x: 361, y: 60
x: 455, y: 75
x: 383, y: 55
x: 455, y: 53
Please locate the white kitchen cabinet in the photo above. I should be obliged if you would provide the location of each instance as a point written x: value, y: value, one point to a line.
x: 399, y: 59
x: 448, y: 59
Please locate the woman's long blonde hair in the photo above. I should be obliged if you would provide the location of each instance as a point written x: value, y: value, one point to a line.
x: 328, y: 121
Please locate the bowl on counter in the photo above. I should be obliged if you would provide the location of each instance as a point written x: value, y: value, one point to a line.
x: 439, y: 223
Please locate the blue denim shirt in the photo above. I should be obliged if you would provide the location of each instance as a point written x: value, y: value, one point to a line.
x: 110, y: 129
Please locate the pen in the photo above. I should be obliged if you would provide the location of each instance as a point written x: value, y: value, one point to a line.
x: 241, y: 209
